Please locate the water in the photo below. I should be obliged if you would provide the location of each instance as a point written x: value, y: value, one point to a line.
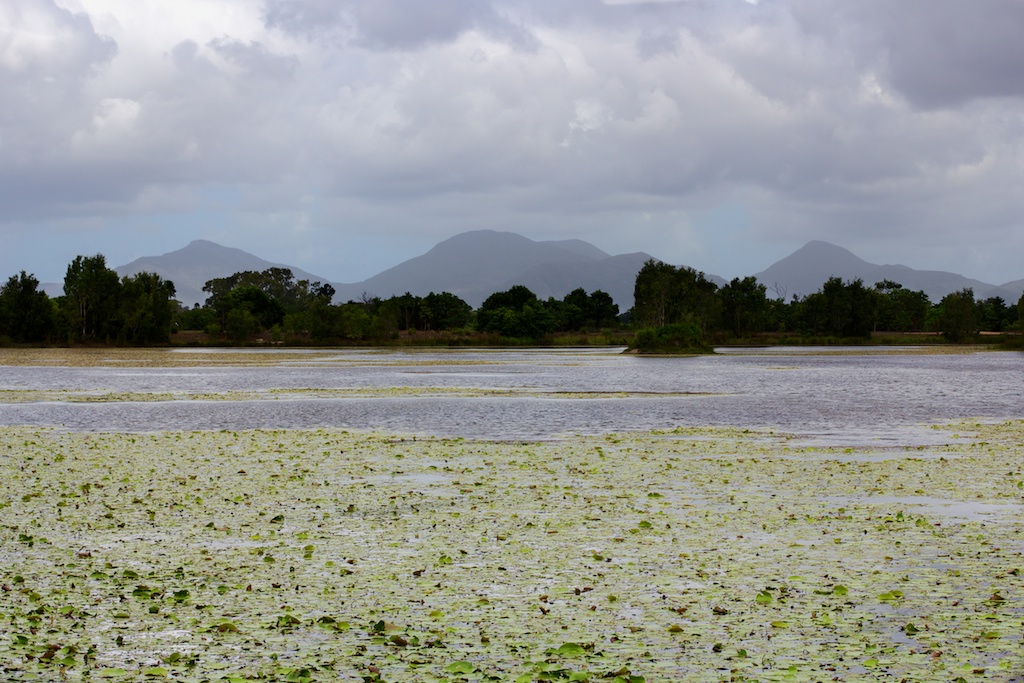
x: 879, y: 397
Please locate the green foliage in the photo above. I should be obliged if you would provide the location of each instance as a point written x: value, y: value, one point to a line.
x: 195, y: 318
x: 26, y: 313
x: 684, y: 337
x: 91, y: 293
x: 239, y: 323
x: 445, y: 311
x: 98, y: 306
x: 744, y: 306
x: 277, y: 283
x: 664, y: 294
x: 957, y: 316
x: 899, y: 309
x: 515, y: 313
x: 588, y: 311
x: 146, y: 308
x: 670, y: 303
x: 247, y: 307
x: 401, y: 312
x: 839, y: 309
x: 995, y: 316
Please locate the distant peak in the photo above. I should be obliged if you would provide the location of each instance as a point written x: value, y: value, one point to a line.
x: 822, y: 244
x: 476, y: 235
x: 204, y: 243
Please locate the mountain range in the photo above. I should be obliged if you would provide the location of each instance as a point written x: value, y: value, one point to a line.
x: 474, y: 265
x: 805, y: 270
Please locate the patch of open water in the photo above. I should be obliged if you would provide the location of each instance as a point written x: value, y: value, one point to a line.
x: 882, y: 399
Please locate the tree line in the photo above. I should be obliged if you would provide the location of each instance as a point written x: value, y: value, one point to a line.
x: 674, y: 308
x: 679, y: 308
x: 272, y: 301
x: 99, y: 307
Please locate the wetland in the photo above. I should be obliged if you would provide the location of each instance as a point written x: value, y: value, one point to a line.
x: 529, y: 515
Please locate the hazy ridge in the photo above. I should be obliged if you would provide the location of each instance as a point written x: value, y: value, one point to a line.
x: 475, y: 264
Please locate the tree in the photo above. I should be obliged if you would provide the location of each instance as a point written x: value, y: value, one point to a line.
x: 604, y: 312
x: 147, y: 308
x: 744, y: 306
x: 277, y: 283
x: 652, y: 294
x: 445, y: 311
x: 240, y: 323
x: 515, y: 312
x: 674, y: 308
x: 838, y: 309
x: 195, y: 318
x: 664, y: 294
x: 26, y: 312
x: 836, y: 306
x: 574, y: 311
x: 354, y: 321
x: 263, y: 311
x: 579, y: 310
x: 899, y: 309
x: 91, y: 292
x: 957, y: 315
x: 405, y: 310
x: 862, y: 302
x: 994, y: 314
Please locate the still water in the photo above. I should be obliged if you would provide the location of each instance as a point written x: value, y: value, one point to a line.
x: 861, y: 397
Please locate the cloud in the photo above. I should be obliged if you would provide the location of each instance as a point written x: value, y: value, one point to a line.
x: 42, y: 41
x: 47, y: 57
x: 936, y: 53
x: 392, y: 24
x: 255, y: 59
x: 876, y: 125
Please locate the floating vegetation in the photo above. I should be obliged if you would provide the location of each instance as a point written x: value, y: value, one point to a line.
x: 325, y: 555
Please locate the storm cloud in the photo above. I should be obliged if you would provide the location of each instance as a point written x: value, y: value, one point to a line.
x: 344, y: 136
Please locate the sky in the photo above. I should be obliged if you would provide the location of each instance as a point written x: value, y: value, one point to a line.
x: 345, y: 136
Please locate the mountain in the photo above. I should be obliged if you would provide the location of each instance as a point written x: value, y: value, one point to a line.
x: 473, y: 265
x: 804, y: 272
x: 192, y: 266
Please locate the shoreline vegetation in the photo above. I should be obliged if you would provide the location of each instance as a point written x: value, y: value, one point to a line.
x: 687, y: 554
x: 675, y: 311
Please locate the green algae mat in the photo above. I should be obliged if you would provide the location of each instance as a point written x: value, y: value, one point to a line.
x: 690, y: 555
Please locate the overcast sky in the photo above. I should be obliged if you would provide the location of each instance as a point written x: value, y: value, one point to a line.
x: 344, y: 136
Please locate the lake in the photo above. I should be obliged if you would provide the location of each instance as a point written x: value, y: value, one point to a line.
x: 850, y: 396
